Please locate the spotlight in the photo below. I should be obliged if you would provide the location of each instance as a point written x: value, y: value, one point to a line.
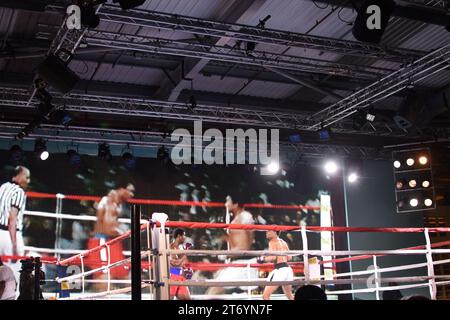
x: 273, y: 167
x: 163, y: 155
x: 331, y: 167
x: 425, y: 184
x: 129, y: 4
x: 397, y: 164
x: 40, y: 149
x: 16, y: 154
x: 428, y: 202
x: 410, y: 162
x: 103, y: 152
x: 413, y: 202
x: 412, y: 183
x: 370, y: 117
x: 129, y: 160
x: 399, y: 185
x: 400, y: 204
x: 324, y: 134
x: 353, y: 177
x: 423, y: 160
x: 295, y: 138
x: 61, y: 117
x: 74, y: 157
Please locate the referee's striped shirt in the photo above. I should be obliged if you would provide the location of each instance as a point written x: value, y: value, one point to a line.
x: 11, y: 195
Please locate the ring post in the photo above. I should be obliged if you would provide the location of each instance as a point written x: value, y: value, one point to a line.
x: 160, y: 262
x: 430, y: 266
x: 136, y: 252
x: 149, y: 257
x: 305, y: 254
x: 377, y: 280
x: 249, y: 291
x: 108, y: 250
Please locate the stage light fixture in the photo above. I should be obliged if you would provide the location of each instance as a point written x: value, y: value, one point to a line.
x: 410, y: 162
x: 331, y: 167
x: 74, y: 157
x: 352, y: 177
x: 129, y: 160
x: 413, y: 202
x: 423, y: 160
x: 61, y: 117
x: 40, y: 148
x: 412, y: 183
x: 324, y: 134
x: 428, y: 202
x: 163, y: 155
x: 273, y: 167
x: 399, y: 184
x: 295, y: 138
x: 425, y: 184
x: 370, y: 117
x: 397, y: 164
x: 401, y: 204
x: 16, y: 154
x: 104, y: 152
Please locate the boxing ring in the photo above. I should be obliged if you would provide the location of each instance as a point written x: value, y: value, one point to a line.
x: 155, y: 259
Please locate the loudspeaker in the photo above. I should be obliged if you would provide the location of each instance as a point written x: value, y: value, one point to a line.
x: 409, y: 110
x: 56, y: 74
x: 373, y: 17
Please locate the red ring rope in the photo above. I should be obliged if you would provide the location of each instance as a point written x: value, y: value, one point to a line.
x: 40, y: 195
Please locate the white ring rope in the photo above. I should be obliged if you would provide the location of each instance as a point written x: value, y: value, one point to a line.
x: 103, y: 294
x: 110, y: 266
x: 301, y: 252
x: 72, y: 216
x: 298, y: 282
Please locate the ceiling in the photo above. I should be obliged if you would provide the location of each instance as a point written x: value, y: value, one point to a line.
x: 142, y: 69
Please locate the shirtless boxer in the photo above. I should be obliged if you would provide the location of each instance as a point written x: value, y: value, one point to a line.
x: 237, y: 240
x: 106, y: 228
x: 178, y: 270
x: 282, y: 271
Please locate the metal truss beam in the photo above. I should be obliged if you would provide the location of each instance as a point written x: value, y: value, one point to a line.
x: 241, y: 32
x: 235, y: 55
x: 65, y: 43
x: 381, y: 89
x: 134, y: 138
x: 121, y: 106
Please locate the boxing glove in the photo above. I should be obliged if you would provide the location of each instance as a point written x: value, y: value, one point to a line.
x: 187, y: 273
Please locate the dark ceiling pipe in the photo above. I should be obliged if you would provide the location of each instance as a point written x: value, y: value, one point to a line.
x: 31, y: 5
x: 404, y: 10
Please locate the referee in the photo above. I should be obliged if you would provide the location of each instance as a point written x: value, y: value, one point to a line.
x: 12, y: 206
